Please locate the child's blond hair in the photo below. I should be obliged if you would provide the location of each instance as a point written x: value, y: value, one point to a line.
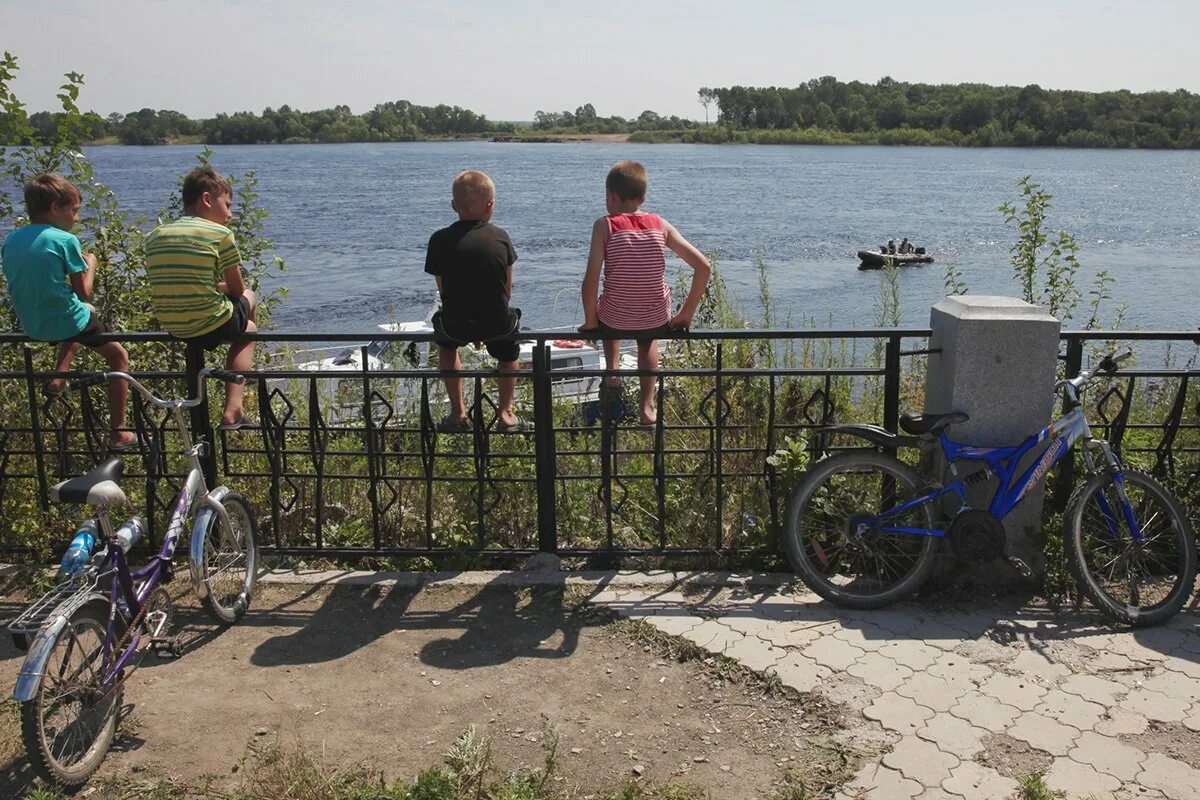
x: 46, y: 190
x: 472, y: 190
x: 628, y: 180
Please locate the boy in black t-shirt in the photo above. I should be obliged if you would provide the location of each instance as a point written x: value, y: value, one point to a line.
x: 472, y: 261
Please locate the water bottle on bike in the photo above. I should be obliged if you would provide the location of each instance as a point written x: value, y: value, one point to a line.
x: 79, y: 552
x: 130, y: 533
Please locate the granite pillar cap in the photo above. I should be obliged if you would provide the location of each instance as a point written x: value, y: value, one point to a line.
x: 992, y: 307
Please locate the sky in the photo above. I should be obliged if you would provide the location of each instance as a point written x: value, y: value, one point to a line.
x: 510, y: 58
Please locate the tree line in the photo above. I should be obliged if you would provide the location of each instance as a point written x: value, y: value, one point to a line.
x: 396, y: 121
x: 822, y: 110
x: 967, y: 113
x: 399, y: 121
x: 585, y: 120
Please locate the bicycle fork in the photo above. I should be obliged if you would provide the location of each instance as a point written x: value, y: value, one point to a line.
x: 1112, y: 465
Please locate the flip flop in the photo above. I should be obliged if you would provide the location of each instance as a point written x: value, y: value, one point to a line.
x: 449, y: 424
x: 127, y: 447
x: 240, y: 423
x: 520, y: 426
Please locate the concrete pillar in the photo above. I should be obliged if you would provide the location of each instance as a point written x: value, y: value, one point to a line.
x: 997, y: 364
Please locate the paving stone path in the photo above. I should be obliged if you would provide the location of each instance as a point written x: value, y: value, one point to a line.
x: 1104, y: 712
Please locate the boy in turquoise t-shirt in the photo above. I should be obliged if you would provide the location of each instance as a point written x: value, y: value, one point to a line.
x: 38, y: 261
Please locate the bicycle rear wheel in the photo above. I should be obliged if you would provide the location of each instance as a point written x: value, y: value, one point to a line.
x: 861, y: 569
x: 230, y: 561
x: 69, y: 725
x: 1137, y: 583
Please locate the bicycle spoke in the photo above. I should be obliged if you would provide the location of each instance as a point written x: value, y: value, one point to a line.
x: 1120, y: 572
x: 837, y: 537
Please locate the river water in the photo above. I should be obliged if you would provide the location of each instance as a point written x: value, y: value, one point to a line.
x: 352, y: 221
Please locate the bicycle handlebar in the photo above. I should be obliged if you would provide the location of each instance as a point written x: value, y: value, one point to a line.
x: 1107, y: 366
x: 102, y: 377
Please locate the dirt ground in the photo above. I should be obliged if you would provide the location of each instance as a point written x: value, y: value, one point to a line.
x: 391, y: 678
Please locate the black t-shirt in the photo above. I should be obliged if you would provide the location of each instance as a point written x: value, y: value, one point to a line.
x: 472, y: 259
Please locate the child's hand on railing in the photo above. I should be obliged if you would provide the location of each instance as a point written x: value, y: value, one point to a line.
x: 682, y: 320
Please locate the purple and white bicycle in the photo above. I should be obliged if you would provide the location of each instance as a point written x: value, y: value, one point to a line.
x: 87, y: 634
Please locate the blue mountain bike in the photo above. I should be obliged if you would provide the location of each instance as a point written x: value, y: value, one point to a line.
x: 862, y: 527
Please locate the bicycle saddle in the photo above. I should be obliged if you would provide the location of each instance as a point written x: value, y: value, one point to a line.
x: 98, y: 488
x: 929, y: 423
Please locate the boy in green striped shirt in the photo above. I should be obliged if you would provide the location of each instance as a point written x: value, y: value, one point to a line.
x: 196, y: 285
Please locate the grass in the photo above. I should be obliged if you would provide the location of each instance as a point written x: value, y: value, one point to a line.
x: 1033, y: 787
x: 277, y: 772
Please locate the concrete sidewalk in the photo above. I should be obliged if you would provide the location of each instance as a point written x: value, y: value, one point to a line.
x: 1105, y: 712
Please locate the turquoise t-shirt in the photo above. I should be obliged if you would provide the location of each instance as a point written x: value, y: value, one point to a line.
x: 37, y: 261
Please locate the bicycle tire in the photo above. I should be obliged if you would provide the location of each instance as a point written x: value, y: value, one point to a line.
x: 802, y: 526
x: 228, y: 600
x: 1171, y: 548
x: 87, y: 622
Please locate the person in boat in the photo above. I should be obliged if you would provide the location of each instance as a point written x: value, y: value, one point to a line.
x: 905, y: 247
x: 891, y: 247
x: 472, y: 261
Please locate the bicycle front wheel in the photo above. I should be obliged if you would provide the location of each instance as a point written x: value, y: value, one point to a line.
x: 1137, y: 582
x: 835, y: 553
x: 230, y: 561
x: 69, y: 724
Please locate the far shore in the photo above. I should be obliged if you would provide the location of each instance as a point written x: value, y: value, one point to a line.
x: 535, y: 138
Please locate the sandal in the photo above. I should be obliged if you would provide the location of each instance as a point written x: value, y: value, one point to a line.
x: 449, y: 424
x: 520, y: 426
x: 127, y: 447
x: 241, y: 422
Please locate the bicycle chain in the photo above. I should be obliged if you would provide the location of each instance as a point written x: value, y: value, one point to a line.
x: 121, y: 645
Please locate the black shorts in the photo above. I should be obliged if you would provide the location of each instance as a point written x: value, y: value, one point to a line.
x: 456, y: 333
x: 236, y: 324
x: 89, y: 336
x: 644, y: 336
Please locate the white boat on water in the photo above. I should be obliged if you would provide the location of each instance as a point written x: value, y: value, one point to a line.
x: 341, y: 398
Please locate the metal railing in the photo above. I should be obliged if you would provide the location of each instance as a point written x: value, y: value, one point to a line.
x: 348, y: 463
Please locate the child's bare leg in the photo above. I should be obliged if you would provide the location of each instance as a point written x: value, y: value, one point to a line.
x: 66, y: 353
x: 252, y: 299
x: 240, y: 359
x: 612, y: 360
x: 118, y: 393
x: 448, y: 361
x: 508, y: 387
x: 648, y: 360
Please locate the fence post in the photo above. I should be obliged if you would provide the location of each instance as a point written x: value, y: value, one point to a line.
x: 35, y: 430
x: 1065, y: 480
x: 200, y: 421
x: 891, y: 387
x: 544, y: 449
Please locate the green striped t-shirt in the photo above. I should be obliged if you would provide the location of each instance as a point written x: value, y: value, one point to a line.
x: 185, y: 259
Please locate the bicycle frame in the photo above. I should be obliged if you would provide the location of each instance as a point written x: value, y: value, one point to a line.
x: 146, y: 578
x: 1003, y: 461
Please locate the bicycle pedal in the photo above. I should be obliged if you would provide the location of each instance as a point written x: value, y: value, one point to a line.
x: 167, y: 646
x: 1020, y: 567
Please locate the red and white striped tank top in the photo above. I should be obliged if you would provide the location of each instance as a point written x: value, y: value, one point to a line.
x: 635, y: 294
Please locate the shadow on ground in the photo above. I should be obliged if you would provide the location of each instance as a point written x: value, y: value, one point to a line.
x: 495, y: 625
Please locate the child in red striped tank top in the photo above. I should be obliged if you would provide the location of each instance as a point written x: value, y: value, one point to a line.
x: 627, y: 256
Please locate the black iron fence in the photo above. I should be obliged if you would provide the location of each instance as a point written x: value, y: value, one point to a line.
x: 346, y: 460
